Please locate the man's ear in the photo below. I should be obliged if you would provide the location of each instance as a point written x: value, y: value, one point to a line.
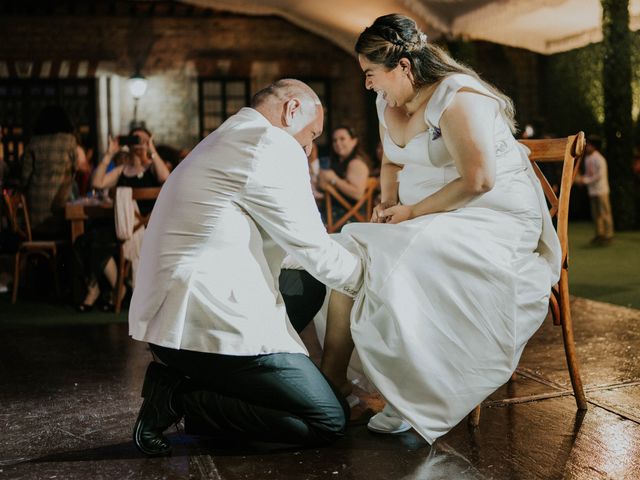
x: 291, y: 108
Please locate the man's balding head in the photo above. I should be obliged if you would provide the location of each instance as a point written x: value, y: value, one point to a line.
x: 293, y: 106
x: 285, y: 89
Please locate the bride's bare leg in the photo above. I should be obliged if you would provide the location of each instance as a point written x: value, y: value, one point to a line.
x: 338, y: 344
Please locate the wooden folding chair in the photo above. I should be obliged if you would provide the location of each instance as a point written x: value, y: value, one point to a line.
x: 124, y: 265
x: 352, y: 209
x: 569, y: 151
x: 16, y: 206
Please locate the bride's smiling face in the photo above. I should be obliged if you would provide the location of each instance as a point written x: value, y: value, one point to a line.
x: 394, y: 84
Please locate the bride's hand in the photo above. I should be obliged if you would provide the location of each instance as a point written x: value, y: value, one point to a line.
x: 397, y: 214
x: 377, y: 216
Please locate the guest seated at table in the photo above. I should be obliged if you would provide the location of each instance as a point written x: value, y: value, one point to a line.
x: 82, y: 177
x: 348, y: 169
x: 50, y: 161
x: 95, y: 251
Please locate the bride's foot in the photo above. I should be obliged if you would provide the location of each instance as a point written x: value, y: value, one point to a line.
x: 345, y: 388
x: 388, y: 421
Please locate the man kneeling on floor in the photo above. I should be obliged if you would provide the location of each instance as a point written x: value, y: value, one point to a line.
x: 207, y: 294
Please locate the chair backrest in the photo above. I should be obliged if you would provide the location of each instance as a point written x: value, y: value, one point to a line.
x: 568, y: 151
x: 144, y: 193
x: 352, y: 208
x: 17, y: 207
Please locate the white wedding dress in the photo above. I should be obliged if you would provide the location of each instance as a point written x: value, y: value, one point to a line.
x: 450, y: 299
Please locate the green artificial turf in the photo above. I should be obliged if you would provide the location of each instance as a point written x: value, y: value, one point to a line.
x: 607, y: 274
x: 47, y: 312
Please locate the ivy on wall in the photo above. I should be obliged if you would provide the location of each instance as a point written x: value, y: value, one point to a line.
x: 577, y: 75
x: 618, y: 128
x: 572, y: 96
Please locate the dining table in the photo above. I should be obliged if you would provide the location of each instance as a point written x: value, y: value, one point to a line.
x: 78, y: 211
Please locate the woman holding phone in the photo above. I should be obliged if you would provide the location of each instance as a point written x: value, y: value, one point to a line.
x: 95, y: 251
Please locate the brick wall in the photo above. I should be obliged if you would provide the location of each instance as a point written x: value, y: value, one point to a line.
x: 173, y: 52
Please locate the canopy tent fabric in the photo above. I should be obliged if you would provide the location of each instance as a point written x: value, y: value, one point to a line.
x: 542, y: 26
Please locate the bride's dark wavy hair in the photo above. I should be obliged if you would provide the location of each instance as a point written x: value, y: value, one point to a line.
x: 392, y: 37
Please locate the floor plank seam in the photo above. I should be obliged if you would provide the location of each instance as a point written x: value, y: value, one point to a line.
x: 207, y: 467
x: 613, y: 409
x: 447, y: 448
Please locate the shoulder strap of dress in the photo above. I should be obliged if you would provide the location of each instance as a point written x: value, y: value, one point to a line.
x: 446, y: 91
x: 381, y: 104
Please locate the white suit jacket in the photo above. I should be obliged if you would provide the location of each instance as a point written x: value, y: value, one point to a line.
x: 225, y: 218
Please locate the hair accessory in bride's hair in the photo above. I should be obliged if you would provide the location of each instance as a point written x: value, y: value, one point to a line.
x: 422, y: 37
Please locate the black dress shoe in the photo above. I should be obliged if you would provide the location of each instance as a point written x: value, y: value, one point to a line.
x: 159, y: 410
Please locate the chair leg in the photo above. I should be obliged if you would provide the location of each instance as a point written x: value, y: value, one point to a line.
x: 569, y: 345
x: 120, y: 283
x: 474, y: 417
x: 329, y: 213
x: 16, y: 278
x: 53, y: 264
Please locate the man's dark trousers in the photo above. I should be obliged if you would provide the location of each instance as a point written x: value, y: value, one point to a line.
x: 280, y: 397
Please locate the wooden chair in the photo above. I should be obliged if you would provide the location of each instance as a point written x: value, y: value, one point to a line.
x: 353, y: 209
x: 124, y: 265
x: 569, y: 151
x: 16, y: 207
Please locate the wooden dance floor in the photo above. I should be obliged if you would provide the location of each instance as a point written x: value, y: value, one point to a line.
x: 69, y: 397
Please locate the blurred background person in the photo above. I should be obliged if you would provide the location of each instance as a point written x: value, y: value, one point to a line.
x: 50, y: 161
x: 347, y: 169
x: 348, y: 164
x: 8, y: 242
x: 95, y: 251
x: 314, y: 172
x: 596, y: 179
x: 3, y: 165
x: 527, y: 132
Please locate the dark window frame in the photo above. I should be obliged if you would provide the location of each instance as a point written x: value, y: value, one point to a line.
x: 225, y: 113
x: 17, y: 130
